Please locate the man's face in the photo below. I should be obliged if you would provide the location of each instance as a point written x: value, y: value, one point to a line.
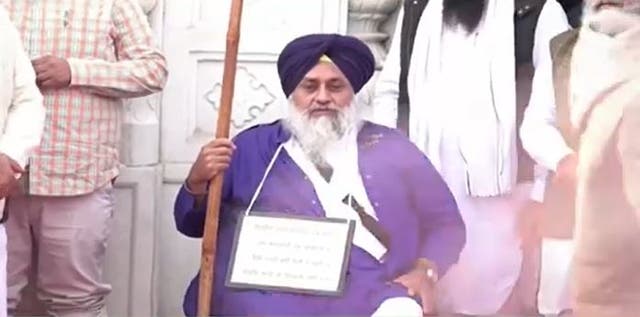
x: 629, y: 6
x: 324, y: 91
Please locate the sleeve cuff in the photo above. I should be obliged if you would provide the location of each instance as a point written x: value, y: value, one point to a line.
x: 80, y: 74
x: 196, y: 200
x: 191, y: 192
x: 559, y: 155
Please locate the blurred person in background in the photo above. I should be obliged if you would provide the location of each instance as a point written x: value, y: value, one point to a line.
x: 605, y: 113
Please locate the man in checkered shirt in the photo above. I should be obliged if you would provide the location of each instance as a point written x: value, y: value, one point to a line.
x: 88, y: 55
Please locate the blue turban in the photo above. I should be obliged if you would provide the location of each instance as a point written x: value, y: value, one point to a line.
x: 349, y: 54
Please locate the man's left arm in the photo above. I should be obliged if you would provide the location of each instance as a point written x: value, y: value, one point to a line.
x: 539, y: 132
x: 441, y: 224
x: 25, y: 119
x: 629, y: 154
x: 140, y: 68
x: 442, y: 232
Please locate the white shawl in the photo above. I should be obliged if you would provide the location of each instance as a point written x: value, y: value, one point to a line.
x: 346, y: 180
x: 607, y: 53
x: 488, y: 137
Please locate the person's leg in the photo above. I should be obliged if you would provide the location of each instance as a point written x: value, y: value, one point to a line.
x: 554, y: 295
x: 523, y: 298
x: 22, y: 210
x: 482, y: 280
x: 73, y: 241
x: 3, y: 272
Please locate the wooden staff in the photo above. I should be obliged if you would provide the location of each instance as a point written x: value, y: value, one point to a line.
x: 210, y: 236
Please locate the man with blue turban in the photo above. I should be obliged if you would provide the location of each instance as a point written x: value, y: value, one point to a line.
x: 407, y: 226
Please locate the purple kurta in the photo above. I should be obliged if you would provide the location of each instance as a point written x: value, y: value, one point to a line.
x: 412, y: 203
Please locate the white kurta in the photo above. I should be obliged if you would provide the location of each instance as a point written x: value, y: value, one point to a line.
x: 542, y: 139
x: 490, y: 262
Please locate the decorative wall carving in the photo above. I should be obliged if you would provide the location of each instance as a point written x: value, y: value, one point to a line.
x: 250, y: 101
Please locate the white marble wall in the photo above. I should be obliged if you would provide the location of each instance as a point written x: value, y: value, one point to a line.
x: 132, y: 247
x: 149, y: 263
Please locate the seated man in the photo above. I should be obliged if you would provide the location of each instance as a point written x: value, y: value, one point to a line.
x: 408, y: 229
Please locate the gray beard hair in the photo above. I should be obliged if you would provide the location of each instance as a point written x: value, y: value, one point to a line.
x: 315, y: 135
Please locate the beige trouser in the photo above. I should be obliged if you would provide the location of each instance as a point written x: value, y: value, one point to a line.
x: 68, y: 236
x: 3, y: 271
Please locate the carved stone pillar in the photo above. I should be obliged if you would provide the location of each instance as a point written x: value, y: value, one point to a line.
x: 366, y: 22
x: 366, y: 18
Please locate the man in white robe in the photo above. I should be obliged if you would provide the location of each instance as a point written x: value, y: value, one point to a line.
x: 461, y: 87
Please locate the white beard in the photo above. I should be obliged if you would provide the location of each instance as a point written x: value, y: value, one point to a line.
x: 315, y: 135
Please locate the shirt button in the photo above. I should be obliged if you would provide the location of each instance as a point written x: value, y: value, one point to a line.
x: 367, y: 176
x: 313, y: 202
x: 375, y: 204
